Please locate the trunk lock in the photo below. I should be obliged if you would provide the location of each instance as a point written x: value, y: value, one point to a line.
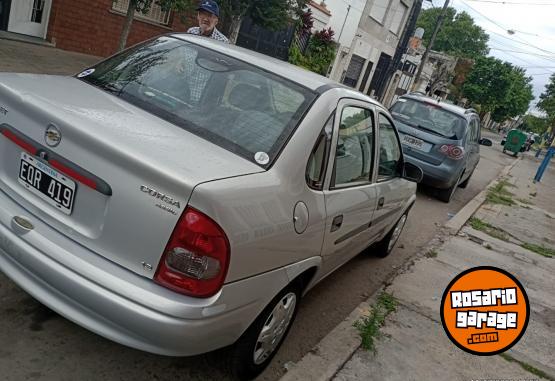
x: 22, y: 224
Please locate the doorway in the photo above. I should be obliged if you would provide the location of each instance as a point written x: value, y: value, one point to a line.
x: 29, y: 17
x: 4, y: 13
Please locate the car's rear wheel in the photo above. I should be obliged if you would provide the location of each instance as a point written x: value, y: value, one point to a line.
x: 446, y: 195
x: 383, y: 248
x: 252, y: 353
x: 464, y: 184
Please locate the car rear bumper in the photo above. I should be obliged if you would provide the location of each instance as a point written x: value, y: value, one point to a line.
x: 440, y: 176
x: 120, y: 305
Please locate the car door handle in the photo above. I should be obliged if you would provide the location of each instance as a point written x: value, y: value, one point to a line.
x: 381, y: 202
x: 336, y: 223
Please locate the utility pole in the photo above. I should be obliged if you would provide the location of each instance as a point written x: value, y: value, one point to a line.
x: 429, y: 47
x: 344, y: 21
x: 410, y: 26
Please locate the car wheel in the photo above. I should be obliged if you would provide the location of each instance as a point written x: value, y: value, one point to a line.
x: 446, y: 195
x: 502, y: 142
x: 252, y: 353
x: 383, y: 248
x: 464, y: 184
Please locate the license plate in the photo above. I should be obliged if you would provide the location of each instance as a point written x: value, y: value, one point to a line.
x: 413, y: 142
x: 47, y: 183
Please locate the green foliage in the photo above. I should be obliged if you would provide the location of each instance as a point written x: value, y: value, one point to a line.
x: 490, y: 230
x: 319, y: 54
x: 369, y: 326
x: 269, y: 14
x: 499, y: 195
x: 498, y: 87
x: 535, y: 124
x: 458, y: 35
x: 541, y: 250
x: 547, y: 100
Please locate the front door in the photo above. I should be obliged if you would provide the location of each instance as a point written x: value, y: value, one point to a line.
x: 351, y: 195
x: 4, y: 13
x: 30, y: 17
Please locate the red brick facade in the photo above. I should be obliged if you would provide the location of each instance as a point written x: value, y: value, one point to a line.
x: 92, y: 27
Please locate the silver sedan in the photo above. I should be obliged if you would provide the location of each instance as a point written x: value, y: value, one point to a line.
x: 181, y: 196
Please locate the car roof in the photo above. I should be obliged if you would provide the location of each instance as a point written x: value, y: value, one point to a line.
x: 465, y: 113
x: 303, y: 77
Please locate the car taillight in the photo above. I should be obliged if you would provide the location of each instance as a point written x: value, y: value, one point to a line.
x: 453, y: 151
x: 196, y: 257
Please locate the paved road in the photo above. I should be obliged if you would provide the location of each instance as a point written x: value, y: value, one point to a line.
x: 36, y: 343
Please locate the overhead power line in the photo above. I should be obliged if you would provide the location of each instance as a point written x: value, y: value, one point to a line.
x: 511, y: 2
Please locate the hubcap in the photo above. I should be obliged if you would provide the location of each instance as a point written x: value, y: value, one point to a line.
x: 397, y: 232
x: 274, y: 328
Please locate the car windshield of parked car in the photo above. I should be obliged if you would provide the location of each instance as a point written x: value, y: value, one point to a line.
x: 429, y: 117
x: 231, y: 103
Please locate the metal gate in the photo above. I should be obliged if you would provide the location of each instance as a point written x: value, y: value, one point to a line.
x: 272, y: 43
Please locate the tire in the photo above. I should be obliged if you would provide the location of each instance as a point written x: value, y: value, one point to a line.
x: 240, y: 360
x: 446, y: 195
x: 383, y: 248
x: 503, y: 142
x: 464, y: 184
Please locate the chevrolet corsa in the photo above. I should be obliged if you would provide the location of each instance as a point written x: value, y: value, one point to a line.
x: 181, y: 196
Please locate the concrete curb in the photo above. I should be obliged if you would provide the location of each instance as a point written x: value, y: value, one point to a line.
x: 324, y: 361
x: 457, y: 222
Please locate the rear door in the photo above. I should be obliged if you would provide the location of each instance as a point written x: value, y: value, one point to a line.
x: 391, y: 193
x: 350, y: 195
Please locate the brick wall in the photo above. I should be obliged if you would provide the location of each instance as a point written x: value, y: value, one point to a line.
x: 92, y: 27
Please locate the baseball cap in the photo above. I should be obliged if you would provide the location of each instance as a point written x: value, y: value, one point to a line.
x: 209, y: 6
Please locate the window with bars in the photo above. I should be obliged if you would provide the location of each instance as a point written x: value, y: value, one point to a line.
x: 155, y: 13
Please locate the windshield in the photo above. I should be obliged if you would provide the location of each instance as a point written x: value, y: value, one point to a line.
x: 429, y: 117
x: 228, y: 102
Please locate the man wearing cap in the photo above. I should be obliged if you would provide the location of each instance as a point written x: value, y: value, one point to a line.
x: 207, y: 16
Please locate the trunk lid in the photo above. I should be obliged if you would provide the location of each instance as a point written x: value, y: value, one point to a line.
x: 145, y: 168
x: 422, y: 144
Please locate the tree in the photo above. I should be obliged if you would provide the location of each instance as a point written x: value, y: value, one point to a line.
x: 498, y: 87
x: 319, y: 54
x: 143, y: 6
x: 547, y: 101
x: 486, y: 82
x: 458, y: 35
x: 535, y: 124
x: 269, y: 14
x: 517, y: 98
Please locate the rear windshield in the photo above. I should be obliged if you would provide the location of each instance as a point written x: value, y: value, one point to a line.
x: 231, y: 103
x: 429, y: 117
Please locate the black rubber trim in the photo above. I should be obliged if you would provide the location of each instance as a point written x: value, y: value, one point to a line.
x: 353, y: 232
x: 386, y: 215
x: 101, y: 185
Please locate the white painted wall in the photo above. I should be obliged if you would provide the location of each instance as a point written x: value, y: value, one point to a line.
x: 338, y: 9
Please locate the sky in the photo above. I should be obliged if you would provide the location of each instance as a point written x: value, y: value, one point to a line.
x: 532, y: 46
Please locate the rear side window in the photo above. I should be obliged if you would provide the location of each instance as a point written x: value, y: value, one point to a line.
x: 390, y: 151
x: 355, y: 147
x: 229, y: 102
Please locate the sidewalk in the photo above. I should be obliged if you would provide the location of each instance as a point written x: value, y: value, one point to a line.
x: 24, y: 57
x: 413, y: 344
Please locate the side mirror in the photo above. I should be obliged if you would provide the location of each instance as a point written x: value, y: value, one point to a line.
x: 485, y: 142
x: 412, y: 172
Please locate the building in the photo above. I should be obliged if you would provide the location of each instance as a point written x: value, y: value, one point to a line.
x: 91, y: 27
x: 379, y: 29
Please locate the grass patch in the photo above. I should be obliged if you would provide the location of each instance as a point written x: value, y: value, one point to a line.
x: 539, y: 249
x: 369, y: 326
x: 431, y: 254
x: 527, y: 367
x: 524, y: 201
x: 491, y: 230
x: 499, y: 195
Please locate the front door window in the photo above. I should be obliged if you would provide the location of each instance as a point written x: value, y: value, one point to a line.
x: 38, y: 8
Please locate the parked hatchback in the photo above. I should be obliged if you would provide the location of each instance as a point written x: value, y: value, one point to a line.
x: 441, y: 138
x: 181, y: 196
